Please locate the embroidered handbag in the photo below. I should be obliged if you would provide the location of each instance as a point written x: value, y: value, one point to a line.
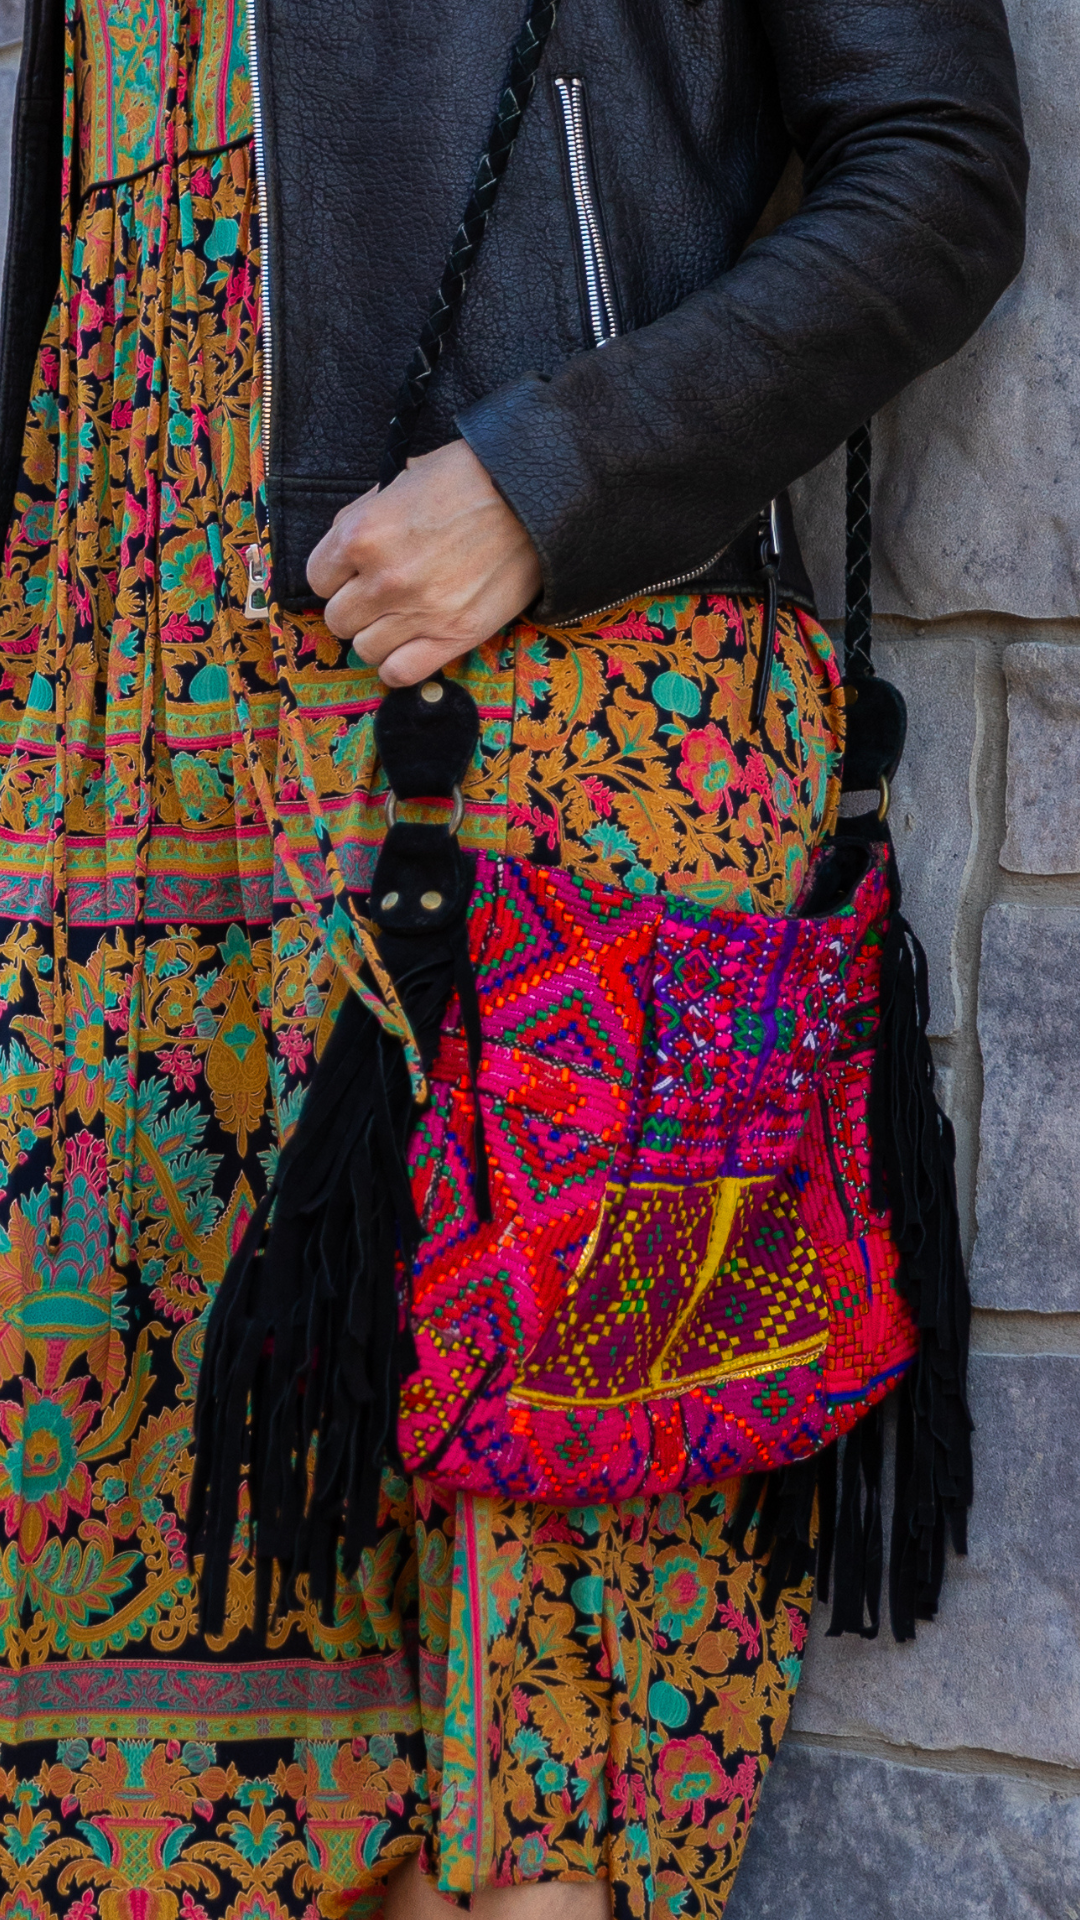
x: 646, y: 1308
x: 613, y: 1194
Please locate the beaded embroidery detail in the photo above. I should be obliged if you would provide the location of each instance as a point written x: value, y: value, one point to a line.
x: 649, y: 1307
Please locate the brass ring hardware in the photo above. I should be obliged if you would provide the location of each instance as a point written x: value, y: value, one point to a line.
x: 457, y: 813
x: 886, y: 798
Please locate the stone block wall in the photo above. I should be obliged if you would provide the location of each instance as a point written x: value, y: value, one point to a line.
x: 941, y: 1780
x: 10, y: 30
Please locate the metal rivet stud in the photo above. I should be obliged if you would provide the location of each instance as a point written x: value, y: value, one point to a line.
x: 389, y: 901
x: 431, y: 902
x: 431, y: 692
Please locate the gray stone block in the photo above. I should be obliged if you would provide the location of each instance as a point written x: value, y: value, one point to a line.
x: 931, y: 815
x: 8, y: 80
x: 841, y: 1837
x: 977, y: 485
x: 1027, y: 1253
x: 1042, y: 793
x: 999, y: 1669
x: 11, y: 22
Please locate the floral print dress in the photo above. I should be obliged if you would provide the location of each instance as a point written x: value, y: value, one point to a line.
x: 513, y: 1691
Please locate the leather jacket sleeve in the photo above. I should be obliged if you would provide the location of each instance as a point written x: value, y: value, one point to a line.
x: 637, y: 463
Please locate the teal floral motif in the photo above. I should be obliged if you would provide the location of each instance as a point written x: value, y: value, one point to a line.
x: 640, y: 880
x: 611, y: 840
x: 783, y: 792
x: 679, y: 694
x: 681, y: 1595
x: 41, y: 1461
x: 175, y: 1130
x: 40, y: 697
x: 260, y: 1835
x: 187, y: 576
x: 199, y: 786
x: 236, y: 947
x: 530, y: 1745
x: 37, y: 524
x: 587, y: 1594
x: 551, y: 1777
x: 532, y: 1856
x: 668, y: 1705
x: 26, y: 1836
x: 180, y: 427
x: 210, y: 686
x: 222, y: 240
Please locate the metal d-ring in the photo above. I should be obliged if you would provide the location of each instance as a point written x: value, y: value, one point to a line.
x: 457, y: 814
x: 885, y: 797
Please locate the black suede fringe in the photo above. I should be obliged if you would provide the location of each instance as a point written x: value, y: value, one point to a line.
x: 779, y: 1507
x: 299, y: 1382
x: 858, y: 1551
x: 912, y: 1173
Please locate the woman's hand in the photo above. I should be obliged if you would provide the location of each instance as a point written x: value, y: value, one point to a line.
x: 426, y: 570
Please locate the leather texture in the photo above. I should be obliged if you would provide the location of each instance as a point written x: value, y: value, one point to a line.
x: 739, y: 366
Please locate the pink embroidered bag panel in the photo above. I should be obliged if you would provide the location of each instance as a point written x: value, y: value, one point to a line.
x: 652, y: 1303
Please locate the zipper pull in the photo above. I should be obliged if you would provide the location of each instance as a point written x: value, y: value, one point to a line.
x: 257, y: 604
x: 769, y: 571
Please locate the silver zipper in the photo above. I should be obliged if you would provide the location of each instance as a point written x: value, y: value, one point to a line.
x: 599, y: 288
x: 259, y: 144
x: 680, y: 579
x: 257, y: 604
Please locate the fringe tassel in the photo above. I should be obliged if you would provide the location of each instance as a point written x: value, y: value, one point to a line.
x: 913, y: 1173
x: 782, y: 1505
x: 778, y: 1510
x: 859, y: 1550
x: 305, y: 1327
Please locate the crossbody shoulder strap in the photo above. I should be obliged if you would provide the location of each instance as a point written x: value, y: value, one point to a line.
x: 876, y: 713
x: 514, y: 97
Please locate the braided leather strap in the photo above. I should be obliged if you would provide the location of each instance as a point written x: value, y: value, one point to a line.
x: 859, y: 606
x: 513, y: 100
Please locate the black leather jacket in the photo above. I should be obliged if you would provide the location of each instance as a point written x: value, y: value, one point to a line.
x: 625, y: 211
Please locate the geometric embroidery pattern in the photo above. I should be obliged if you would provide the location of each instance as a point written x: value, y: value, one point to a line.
x: 653, y: 1300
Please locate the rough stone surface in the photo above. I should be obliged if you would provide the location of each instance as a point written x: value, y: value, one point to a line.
x: 11, y: 22
x: 999, y: 1669
x: 839, y: 1838
x: 9, y: 74
x: 1042, y: 795
x: 931, y: 814
x: 1027, y: 1253
x: 977, y: 485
